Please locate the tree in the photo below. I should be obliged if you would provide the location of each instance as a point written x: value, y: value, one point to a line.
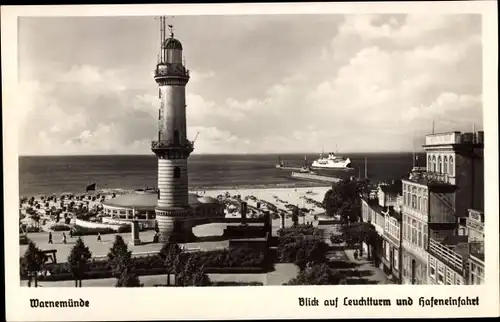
x: 119, y: 256
x: 78, y: 261
x: 32, y: 262
x: 320, y: 274
x: 128, y: 278
x: 344, y: 199
x: 295, y: 216
x: 169, y: 253
x: 360, y: 232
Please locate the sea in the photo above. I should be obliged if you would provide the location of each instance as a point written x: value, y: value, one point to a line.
x: 44, y: 175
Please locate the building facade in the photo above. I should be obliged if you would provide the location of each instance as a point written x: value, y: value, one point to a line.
x: 435, y: 204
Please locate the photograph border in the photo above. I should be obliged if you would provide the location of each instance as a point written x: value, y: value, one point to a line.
x: 246, y: 302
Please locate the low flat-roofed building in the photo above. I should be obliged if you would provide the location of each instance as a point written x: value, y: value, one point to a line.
x: 141, y: 205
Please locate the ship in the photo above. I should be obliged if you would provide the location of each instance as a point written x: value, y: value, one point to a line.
x: 332, y: 163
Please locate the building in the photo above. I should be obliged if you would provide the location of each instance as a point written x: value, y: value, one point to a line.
x: 381, y: 208
x: 172, y: 147
x: 435, y: 204
x: 475, y: 229
x: 371, y: 213
x: 390, y: 198
x: 141, y: 206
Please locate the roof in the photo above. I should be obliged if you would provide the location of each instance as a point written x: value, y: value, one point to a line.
x: 208, y: 199
x: 172, y: 43
x: 144, y: 200
x: 395, y: 187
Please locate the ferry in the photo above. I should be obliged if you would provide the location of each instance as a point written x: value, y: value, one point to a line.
x: 332, y: 162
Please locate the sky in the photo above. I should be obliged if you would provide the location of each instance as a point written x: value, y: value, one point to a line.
x: 259, y: 83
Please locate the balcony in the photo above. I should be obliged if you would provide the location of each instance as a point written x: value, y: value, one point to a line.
x: 447, y: 255
x: 431, y: 178
x: 170, y: 145
x: 454, y: 138
x: 170, y: 70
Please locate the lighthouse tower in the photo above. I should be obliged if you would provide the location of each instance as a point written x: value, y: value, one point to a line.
x: 171, y: 147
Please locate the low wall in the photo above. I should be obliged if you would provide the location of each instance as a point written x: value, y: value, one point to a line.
x: 146, y: 223
x: 96, y: 225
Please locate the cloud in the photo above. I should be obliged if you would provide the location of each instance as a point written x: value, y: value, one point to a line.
x: 367, y: 82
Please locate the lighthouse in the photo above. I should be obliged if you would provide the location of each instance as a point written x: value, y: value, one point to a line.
x: 171, y: 147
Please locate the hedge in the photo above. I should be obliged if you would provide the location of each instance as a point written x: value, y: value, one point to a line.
x: 218, y: 261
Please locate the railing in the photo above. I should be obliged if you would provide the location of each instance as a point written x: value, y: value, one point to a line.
x: 163, y: 144
x: 443, y: 138
x: 168, y: 70
x: 446, y: 254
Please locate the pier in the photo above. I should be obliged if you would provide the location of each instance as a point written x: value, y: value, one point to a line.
x: 314, y: 177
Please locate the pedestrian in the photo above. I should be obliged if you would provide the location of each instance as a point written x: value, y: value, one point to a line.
x: 50, y: 237
x: 64, y: 238
x: 98, y: 236
x: 356, y: 255
x: 71, y: 233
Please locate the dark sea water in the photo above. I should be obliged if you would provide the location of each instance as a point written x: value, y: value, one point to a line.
x: 57, y: 174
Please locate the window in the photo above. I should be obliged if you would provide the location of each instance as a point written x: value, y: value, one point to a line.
x: 440, y: 269
x: 445, y: 165
x: 434, y: 164
x: 419, y: 203
x: 177, y: 172
x: 424, y: 202
x: 440, y: 165
x: 395, y: 255
x: 476, y: 274
x: 414, y: 232
x: 432, y: 268
x: 429, y: 164
x: 458, y: 280
x: 419, y: 237
x: 449, y: 277
x: 451, y: 167
x: 425, y: 236
x: 387, y: 251
x: 404, y: 198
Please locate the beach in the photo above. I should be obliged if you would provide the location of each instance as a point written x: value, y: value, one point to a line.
x: 279, y: 197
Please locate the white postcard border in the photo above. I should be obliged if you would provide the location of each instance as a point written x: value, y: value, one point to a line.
x: 246, y: 302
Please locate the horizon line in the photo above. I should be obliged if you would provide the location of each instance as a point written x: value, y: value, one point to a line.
x: 204, y: 154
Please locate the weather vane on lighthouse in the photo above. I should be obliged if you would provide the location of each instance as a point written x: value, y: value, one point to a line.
x: 171, y: 28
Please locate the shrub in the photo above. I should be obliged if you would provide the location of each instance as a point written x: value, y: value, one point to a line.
x: 60, y: 227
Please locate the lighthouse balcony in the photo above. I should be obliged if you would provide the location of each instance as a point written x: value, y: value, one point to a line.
x: 171, y: 145
x: 171, y: 70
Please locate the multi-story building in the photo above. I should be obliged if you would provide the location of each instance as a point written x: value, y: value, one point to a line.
x: 435, y: 204
x: 392, y: 240
x: 475, y: 229
x: 371, y: 212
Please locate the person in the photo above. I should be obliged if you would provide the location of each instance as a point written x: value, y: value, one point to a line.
x: 64, y: 238
x: 70, y: 233
x: 50, y: 237
x: 356, y: 255
x: 98, y: 236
